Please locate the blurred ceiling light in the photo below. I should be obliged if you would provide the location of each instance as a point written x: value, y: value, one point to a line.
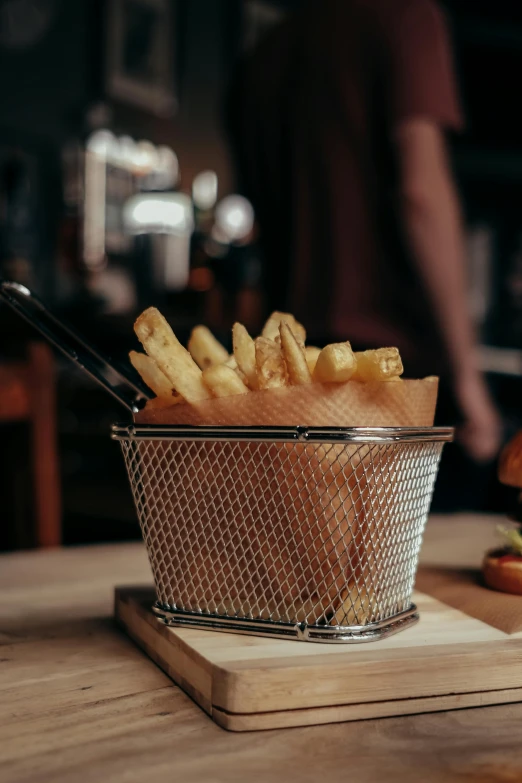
x: 159, y: 166
x: 205, y: 190
x: 103, y: 144
x: 127, y: 151
x: 167, y: 169
x: 235, y: 218
x: 156, y: 213
x: 146, y: 157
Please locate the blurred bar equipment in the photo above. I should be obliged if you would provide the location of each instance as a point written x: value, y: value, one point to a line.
x: 169, y: 220
x: 129, y: 193
x: 143, y: 239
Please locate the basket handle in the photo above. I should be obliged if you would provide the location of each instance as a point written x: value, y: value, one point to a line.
x: 129, y: 392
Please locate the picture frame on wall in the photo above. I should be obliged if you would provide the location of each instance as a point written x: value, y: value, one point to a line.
x: 140, y: 54
x: 258, y: 18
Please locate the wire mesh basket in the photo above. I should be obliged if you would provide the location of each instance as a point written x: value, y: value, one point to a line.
x: 304, y: 532
x: 307, y: 533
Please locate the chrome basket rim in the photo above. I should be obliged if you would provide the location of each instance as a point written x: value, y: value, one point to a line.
x: 295, y: 434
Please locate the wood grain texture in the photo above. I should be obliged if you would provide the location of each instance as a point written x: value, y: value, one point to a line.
x: 464, y: 589
x: 447, y: 655
x: 355, y: 712
x: 79, y: 701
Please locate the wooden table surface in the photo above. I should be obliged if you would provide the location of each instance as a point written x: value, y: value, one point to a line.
x: 79, y: 702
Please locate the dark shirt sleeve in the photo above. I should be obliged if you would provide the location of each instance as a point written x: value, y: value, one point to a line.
x: 419, y: 66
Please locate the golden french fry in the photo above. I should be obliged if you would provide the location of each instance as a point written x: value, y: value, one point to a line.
x: 335, y: 364
x: 151, y: 374
x: 245, y: 354
x: 294, y: 356
x: 382, y: 364
x: 241, y: 377
x: 231, y: 362
x: 271, y: 369
x: 351, y: 610
x: 271, y: 328
x: 205, y: 349
x: 223, y: 381
x: 162, y: 345
x: 312, y: 354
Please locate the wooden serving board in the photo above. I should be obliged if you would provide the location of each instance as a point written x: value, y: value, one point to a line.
x: 447, y: 661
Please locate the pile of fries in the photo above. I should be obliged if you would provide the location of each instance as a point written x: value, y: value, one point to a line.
x: 277, y: 358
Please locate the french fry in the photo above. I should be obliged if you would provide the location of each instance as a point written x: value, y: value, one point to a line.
x: 294, y: 356
x: 176, y: 363
x: 312, y: 354
x: 205, y: 349
x: 151, y: 375
x: 271, y: 328
x: 245, y: 354
x: 335, y: 364
x: 270, y: 365
x: 382, y: 364
x: 223, y: 381
x: 231, y: 362
x: 276, y: 359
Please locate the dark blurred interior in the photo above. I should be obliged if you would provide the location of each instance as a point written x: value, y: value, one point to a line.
x: 117, y: 192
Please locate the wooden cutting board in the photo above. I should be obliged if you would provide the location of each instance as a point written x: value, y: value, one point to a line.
x: 447, y: 661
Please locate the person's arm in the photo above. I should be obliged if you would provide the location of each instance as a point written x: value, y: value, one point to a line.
x: 431, y: 215
x: 432, y: 221
x: 423, y: 102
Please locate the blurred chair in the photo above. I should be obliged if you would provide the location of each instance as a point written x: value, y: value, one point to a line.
x: 27, y: 394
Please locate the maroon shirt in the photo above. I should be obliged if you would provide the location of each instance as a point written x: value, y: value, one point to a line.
x: 313, y: 113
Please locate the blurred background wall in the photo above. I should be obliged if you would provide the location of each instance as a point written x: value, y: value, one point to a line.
x: 76, y: 77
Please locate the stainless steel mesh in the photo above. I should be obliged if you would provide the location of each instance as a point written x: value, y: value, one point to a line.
x: 317, y: 531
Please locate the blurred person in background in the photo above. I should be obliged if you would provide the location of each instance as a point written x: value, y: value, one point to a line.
x: 337, y: 121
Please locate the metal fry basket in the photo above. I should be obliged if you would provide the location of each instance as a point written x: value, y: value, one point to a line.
x: 306, y: 533
x: 300, y: 532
